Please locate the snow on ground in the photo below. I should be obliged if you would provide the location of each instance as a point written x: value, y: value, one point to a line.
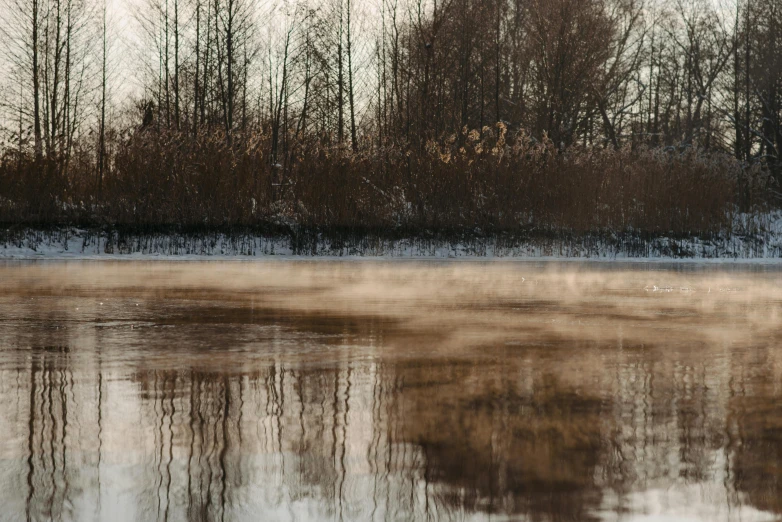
x: 763, y: 244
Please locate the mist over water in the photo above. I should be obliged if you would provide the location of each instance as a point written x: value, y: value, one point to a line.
x: 389, y: 391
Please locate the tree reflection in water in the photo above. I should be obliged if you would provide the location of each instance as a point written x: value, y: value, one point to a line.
x: 197, y: 410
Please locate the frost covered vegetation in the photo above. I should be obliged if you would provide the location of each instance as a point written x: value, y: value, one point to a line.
x: 495, y: 183
x: 403, y: 118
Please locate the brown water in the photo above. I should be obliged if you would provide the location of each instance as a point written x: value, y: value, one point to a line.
x: 398, y: 391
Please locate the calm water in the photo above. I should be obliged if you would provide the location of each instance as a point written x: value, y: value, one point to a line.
x: 401, y: 391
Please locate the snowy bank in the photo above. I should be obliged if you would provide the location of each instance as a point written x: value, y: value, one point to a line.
x: 764, y: 242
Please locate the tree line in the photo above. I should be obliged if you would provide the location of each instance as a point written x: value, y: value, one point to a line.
x: 88, y: 82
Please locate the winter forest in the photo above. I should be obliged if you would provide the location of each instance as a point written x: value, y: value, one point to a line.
x: 654, y: 116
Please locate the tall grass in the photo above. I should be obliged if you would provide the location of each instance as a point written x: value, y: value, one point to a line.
x: 482, y: 179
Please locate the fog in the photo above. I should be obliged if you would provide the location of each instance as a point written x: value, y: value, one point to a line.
x: 388, y: 391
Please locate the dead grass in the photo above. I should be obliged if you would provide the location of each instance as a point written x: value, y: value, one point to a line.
x: 478, y: 179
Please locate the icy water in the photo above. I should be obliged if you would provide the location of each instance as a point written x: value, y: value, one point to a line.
x: 291, y: 390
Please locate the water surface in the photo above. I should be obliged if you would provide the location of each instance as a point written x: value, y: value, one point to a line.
x: 389, y: 391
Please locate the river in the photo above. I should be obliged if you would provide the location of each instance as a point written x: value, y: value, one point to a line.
x: 363, y: 390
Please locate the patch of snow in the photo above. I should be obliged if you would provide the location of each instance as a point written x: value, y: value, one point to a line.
x: 759, y: 240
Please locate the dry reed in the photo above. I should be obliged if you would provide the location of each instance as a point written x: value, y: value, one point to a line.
x: 483, y: 179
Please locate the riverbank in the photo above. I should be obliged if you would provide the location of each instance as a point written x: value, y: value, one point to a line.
x: 757, y: 239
